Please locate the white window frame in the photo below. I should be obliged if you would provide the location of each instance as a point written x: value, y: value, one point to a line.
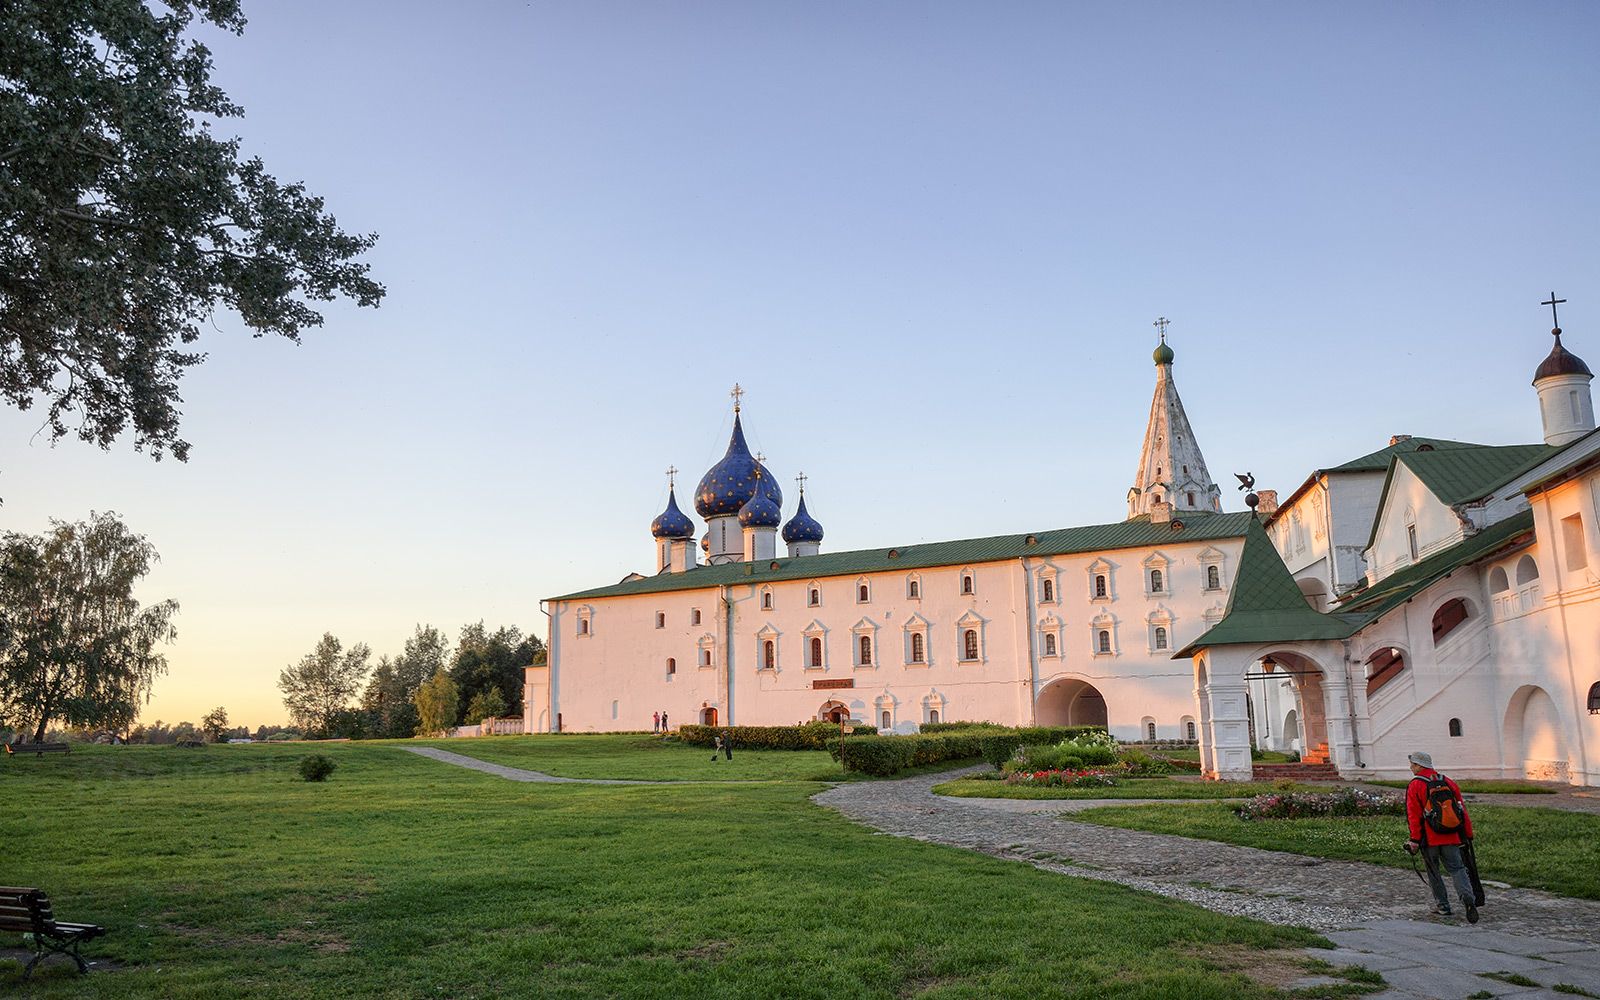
x: 584, y: 624
x: 864, y: 628
x: 706, y: 645
x: 1101, y: 567
x: 856, y: 590
x: 913, y: 586
x: 933, y: 702
x: 1051, y: 627
x: 766, y: 635
x: 1158, y: 563
x: 962, y: 584
x: 814, y: 587
x: 971, y: 620
x: 917, y: 625
x: 1161, y: 617
x: 1107, y: 623
x: 816, y: 630
x: 1212, y: 557
x: 768, y: 601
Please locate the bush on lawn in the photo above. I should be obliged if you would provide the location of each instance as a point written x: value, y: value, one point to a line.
x: 884, y: 755
x: 929, y: 728
x: 316, y: 767
x: 811, y: 736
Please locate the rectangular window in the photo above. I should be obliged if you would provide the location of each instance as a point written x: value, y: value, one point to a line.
x: 694, y: 616
x: 1572, y: 541
x: 1411, y: 539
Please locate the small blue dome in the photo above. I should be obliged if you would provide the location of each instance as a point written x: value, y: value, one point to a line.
x: 732, y: 482
x: 802, y: 527
x: 673, y: 523
x: 761, y: 511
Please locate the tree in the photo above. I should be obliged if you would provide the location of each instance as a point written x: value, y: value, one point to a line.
x: 75, y: 645
x: 486, y: 661
x: 124, y: 222
x: 320, y: 686
x: 485, y: 704
x: 215, y: 724
x: 436, y: 705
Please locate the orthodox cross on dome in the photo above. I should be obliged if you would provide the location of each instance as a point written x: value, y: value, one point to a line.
x: 1161, y: 324
x: 801, y: 479
x: 672, y: 476
x: 1554, y: 322
x: 737, y: 394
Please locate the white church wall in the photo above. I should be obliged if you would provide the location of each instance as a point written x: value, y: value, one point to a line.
x: 1410, y: 507
x: 1353, y: 503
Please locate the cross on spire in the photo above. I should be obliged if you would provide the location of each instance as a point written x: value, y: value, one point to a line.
x: 801, y: 479
x: 1554, y: 322
x: 672, y: 476
x: 1161, y: 324
x: 737, y: 394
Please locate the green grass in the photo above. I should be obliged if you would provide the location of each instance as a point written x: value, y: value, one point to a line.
x: 1266, y: 756
x: 1135, y: 788
x: 221, y: 875
x: 1478, y: 786
x: 641, y: 757
x: 1551, y: 849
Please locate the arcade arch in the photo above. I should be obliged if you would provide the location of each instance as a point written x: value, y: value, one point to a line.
x: 1070, y: 702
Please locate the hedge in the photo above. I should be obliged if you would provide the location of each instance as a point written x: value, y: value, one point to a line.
x: 998, y: 748
x: 929, y: 728
x: 885, y: 755
x: 811, y: 736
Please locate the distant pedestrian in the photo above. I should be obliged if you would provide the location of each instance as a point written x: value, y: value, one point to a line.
x: 715, y: 746
x: 664, y: 728
x: 1439, y: 826
x: 657, y: 718
x: 727, y: 744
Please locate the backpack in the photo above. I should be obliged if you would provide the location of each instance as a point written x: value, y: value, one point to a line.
x: 1442, y: 810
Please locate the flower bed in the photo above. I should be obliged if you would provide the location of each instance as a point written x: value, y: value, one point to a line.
x: 1061, y: 779
x: 1314, y: 805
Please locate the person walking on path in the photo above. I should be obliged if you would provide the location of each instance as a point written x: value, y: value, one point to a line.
x: 1438, y: 820
x: 657, y: 718
x: 727, y: 744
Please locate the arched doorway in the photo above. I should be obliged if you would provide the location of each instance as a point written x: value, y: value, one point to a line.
x: 1535, y: 739
x: 834, y: 712
x: 1070, y: 702
x: 708, y: 717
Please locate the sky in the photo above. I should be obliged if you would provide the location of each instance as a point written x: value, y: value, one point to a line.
x: 928, y: 239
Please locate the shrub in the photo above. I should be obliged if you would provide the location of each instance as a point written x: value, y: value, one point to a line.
x: 929, y: 728
x: 316, y: 767
x: 811, y: 736
x: 1310, y: 805
x: 998, y: 748
x: 1062, y: 778
x: 1141, y: 763
x: 884, y: 755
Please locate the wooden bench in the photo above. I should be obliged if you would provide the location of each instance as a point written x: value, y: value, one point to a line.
x: 39, y: 748
x: 27, y: 911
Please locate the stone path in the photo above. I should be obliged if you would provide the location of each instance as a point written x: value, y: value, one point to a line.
x: 1370, y: 913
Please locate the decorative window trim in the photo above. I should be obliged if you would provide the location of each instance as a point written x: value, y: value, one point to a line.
x: 1100, y: 567
x: 584, y: 625
x: 917, y: 626
x: 707, y: 656
x: 1147, y: 729
x: 1188, y: 728
x: 1049, y: 587
x: 1157, y: 563
x: 934, y: 707
x: 913, y: 586
x: 1106, y: 623
x: 974, y: 622
x: 1214, y: 614
x: 967, y: 582
x: 1160, y: 618
x: 863, y: 582
x: 816, y: 630
x: 694, y: 616
x: 1212, y: 557
x: 766, y: 635
x: 864, y: 629
x: 814, y: 594
x: 1050, y: 628
x: 767, y: 598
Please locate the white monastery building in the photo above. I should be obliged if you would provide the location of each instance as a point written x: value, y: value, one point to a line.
x: 1432, y: 594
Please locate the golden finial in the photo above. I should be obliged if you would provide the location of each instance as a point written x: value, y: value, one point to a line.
x: 737, y: 393
x: 672, y: 476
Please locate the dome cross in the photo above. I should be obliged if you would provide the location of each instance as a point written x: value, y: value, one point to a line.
x: 737, y: 395
x: 1554, y: 322
x: 801, y: 479
x: 672, y: 476
x: 1161, y: 324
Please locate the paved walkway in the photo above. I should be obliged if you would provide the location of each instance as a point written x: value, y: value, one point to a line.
x: 1372, y: 914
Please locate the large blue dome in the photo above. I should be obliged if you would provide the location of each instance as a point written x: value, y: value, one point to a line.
x: 673, y: 523
x: 732, y: 482
x: 802, y: 527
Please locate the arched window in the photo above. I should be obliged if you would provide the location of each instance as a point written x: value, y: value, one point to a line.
x: 1105, y: 641
x: 1189, y: 730
x: 672, y: 666
x: 969, y: 644
x: 966, y: 584
x: 1049, y: 644
x: 769, y: 654
x: 1155, y: 581
x: 1049, y: 591
x: 694, y: 616
x: 661, y: 619
x: 883, y: 719
x: 766, y: 602
x: 918, y: 651
x: 816, y: 652
x: 933, y: 715
x: 1450, y: 614
x: 861, y: 594
x: 1099, y: 585
x: 705, y: 657
x: 1497, y: 581
x: 816, y: 597
x: 1161, y: 637
x: 911, y: 590
x: 1213, y: 578
x: 1382, y: 667
x: 1191, y: 503
x: 1150, y: 729
x: 1527, y: 570
x: 1594, y: 698
x: 583, y: 626
x: 866, y: 650
x: 1455, y: 727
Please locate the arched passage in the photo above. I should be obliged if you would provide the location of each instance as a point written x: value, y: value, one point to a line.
x: 1535, y: 737
x: 1070, y: 702
x: 833, y: 711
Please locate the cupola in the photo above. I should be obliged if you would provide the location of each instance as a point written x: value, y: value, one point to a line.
x: 672, y: 522
x: 674, y: 534
x: 725, y: 490
x: 1566, y: 407
x: 803, y: 534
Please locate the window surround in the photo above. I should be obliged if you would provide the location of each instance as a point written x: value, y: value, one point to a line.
x: 766, y: 598
x: 914, y: 587
x: 864, y: 629
x: 1159, y: 620
x: 1190, y: 730
x: 1097, y: 569
x: 708, y: 652
x: 1147, y: 728
x: 934, y: 707
x: 863, y: 591
x: 916, y: 631
x: 694, y: 616
x: 971, y: 622
x: 585, y: 622
x: 1050, y: 637
x: 1049, y: 587
x: 768, y: 634
x: 814, y: 594
x: 815, y: 638
x: 1103, y: 623
x: 1157, y: 576
x: 1213, y: 559
x: 967, y: 583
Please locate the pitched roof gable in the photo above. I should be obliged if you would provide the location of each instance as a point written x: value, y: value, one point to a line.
x: 1462, y: 475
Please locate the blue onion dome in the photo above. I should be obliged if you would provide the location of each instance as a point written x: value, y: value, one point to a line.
x: 673, y: 523
x: 1163, y: 354
x: 1560, y: 362
x: 733, y: 481
x: 802, y: 527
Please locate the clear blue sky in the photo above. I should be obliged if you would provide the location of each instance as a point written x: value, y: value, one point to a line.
x: 928, y: 238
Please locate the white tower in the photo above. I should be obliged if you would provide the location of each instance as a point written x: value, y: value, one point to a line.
x: 1562, y: 379
x: 1172, y: 476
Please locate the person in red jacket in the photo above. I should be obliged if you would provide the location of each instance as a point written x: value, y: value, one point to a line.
x: 1437, y: 846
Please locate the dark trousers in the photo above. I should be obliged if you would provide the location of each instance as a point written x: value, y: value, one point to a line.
x: 1450, y: 855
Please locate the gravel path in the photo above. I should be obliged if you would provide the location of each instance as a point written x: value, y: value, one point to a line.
x: 518, y: 773
x: 1268, y: 885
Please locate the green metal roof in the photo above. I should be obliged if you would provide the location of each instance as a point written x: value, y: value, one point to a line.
x: 1266, y: 604
x: 1379, y: 460
x: 1131, y: 534
x: 1397, y: 588
x: 1462, y: 475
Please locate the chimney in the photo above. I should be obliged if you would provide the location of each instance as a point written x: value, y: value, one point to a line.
x: 1269, y: 501
x: 1399, y: 438
x: 1160, y: 512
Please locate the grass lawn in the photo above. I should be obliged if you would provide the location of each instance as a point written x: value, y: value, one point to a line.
x: 1132, y: 788
x: 1478, y: 786
x: 221, y: 875
x: 1549, y: 849
x: 642, y: 757
x: 1267, y: 756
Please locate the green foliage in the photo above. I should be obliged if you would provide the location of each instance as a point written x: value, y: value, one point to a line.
x: 320, y: 686
x: 75, y: 645
x: 880, y: 756
x: 1143, y: 788
x: 436, y: 702
x: 997, y: 748
x: 486, y: 661
x: 124, y: 222
x: 930, y: 728
x: 811, y: 736
x: 486, y: 704
x: 215, y: 724
x: 316, y: 767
